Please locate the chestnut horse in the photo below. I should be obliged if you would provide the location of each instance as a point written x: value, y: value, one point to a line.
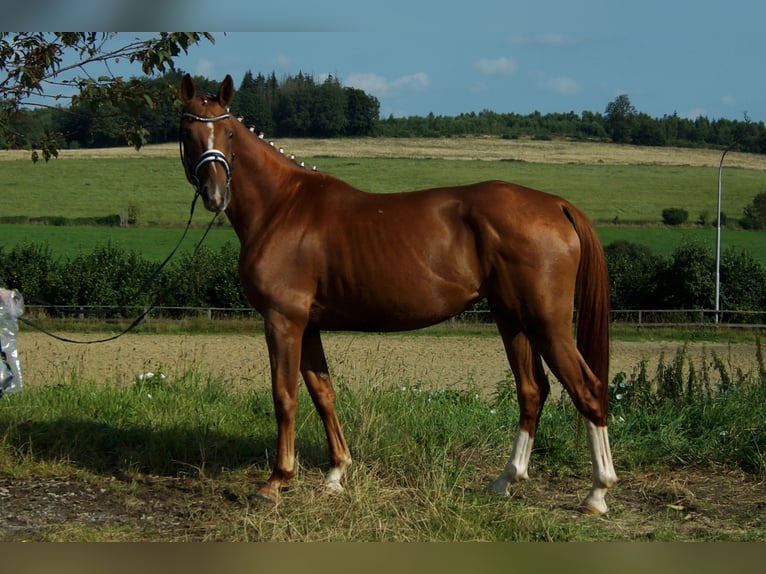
x: 317, y: 254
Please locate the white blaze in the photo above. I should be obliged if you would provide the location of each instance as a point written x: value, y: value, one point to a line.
x: 211, y: 136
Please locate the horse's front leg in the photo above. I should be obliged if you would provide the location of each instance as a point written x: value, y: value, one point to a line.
x: 283, y: 338
x: 317, y: 377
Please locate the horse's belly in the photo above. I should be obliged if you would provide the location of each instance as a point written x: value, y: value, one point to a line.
x: 403, y: 311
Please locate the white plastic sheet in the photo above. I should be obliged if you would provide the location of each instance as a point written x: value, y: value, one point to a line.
x: 11, y: 308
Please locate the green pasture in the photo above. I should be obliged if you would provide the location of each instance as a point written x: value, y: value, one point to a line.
x: 156, y: 242
x: 155, y: 190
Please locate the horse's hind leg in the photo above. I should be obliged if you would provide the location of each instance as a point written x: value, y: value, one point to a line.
x: 532, y: 389
x: 587, y: 393
x: 317, y: 378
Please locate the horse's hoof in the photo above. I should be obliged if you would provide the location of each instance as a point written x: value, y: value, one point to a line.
x: 589, y: 510
x: 333, y: 487
x: 499, y: 486
x: 594, y: 503
x: 261, y: 496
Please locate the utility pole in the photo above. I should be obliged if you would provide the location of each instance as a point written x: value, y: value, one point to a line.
x: 718, y: 244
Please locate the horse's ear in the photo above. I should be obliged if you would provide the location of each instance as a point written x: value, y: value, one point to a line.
x: 226, y: 91
x: 187, y: 89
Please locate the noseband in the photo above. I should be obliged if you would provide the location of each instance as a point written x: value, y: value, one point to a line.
x: 211, y: 155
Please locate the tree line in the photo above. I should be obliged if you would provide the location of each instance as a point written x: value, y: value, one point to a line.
x: 111, y: 276
x: 293, y: 106
x: 303, y: 106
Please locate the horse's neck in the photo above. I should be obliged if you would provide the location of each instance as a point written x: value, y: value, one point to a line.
x: 258, y: 185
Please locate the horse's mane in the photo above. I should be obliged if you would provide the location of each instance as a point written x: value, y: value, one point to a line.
x: 279, y: 151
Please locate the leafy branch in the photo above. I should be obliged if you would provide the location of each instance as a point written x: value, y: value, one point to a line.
x: 37, y: 66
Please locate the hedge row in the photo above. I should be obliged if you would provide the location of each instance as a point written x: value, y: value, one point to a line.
x: 111, y: 276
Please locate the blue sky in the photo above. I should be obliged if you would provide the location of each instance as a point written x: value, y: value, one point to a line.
x: 689, y: 57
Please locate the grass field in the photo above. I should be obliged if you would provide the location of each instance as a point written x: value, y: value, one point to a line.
x: 613, y: 184
x: 156, y: 242
x: 156, y: 187
x: 174, y: 458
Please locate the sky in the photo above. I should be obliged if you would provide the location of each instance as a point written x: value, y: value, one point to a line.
x: 690, y: 57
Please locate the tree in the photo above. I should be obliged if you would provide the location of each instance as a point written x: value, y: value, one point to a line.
x: 295, y: 104
x: 329, y: 109
x: 620, y: 118
x: 633, y: 272
x: 743, y: 281
x: 40, y: 68
x: 252, y: 103
x: 689, y: 279
x: 754, y: 214
x: 362, y: 111
x: 647, y: 131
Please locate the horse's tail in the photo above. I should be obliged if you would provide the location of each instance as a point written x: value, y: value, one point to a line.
x: 593, y: 309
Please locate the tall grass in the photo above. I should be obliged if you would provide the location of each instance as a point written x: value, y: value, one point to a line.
x: 422, y: 458
x: 706, y: 414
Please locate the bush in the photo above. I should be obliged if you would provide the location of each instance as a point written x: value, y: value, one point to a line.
x: 674, y: 216
x: 633, y: 272
x: 754, y: 215
x: 32, y: 269
x: 111, y: 276
x: 107, y: 276
x: 688, y: 281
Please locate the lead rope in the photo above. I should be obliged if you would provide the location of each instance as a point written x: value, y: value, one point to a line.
x: 138, y: 320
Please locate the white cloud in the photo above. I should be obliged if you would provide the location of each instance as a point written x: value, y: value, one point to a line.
x: 497, y: 67
x: 204, y: 68
x: 564, y: 86
x: 412, y: 82
x: 378, y: 85
x: 282, y: 61
x: 728, y: 100
x: 552, y: 39
x: 369, y: 82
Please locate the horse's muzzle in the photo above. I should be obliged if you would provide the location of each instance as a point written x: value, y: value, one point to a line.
x: 215, y: 198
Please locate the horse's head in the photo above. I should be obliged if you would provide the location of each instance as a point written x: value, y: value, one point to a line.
x: 206, y: 142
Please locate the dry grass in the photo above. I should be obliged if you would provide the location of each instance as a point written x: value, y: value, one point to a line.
x: 466, y: 148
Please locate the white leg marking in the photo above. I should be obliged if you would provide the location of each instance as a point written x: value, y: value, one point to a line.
x: 516, y: 468
x: 604, y: 475
x: 332, y: 480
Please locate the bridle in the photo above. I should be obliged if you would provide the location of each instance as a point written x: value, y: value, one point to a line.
x: 211, y: 155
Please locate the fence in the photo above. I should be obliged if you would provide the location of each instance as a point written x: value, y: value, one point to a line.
x: 642, y: 318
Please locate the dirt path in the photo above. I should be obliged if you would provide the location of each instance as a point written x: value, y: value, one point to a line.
x: 646, y: 506
x: 428, y: 361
